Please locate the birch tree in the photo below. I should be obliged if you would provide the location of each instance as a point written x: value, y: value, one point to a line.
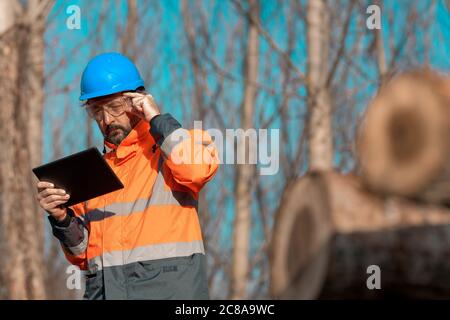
x: 320, y: 117
x: 245, y: 172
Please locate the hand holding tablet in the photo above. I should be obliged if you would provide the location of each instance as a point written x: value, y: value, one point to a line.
x: 83, y: 176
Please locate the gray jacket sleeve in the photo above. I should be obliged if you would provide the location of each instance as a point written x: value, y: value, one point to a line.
x: 161, y: 126
x: 71, y: 232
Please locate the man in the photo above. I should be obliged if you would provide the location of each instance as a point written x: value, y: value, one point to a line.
x: 143, y: 241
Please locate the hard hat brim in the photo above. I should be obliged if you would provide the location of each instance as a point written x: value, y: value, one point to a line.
x: 116, y: 89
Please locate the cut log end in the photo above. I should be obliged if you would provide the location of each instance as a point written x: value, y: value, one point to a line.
x: 407, y: 133
x: 403, y: 143
x: 299, y: 250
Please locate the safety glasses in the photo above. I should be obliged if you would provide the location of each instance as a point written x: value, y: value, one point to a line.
x: 115, y: 108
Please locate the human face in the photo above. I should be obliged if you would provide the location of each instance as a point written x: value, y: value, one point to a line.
x: 113, y: 117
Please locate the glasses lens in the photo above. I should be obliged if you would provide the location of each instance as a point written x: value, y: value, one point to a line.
x: 115, y: 109
x: 92, y: 112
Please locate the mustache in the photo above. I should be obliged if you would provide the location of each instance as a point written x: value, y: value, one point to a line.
x: 113, y: 127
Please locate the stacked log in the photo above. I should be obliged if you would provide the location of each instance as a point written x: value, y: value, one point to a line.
x: 404, y: 142
x: 330, y: 229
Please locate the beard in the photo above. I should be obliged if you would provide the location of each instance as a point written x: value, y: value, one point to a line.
x: 116, y: 133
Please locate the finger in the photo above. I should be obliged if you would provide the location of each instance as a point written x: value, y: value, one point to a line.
x: 44, y: 184
x: 54, y: 204
x: 49, y: 191
x: 138, y: 100
x: 137, y: 105
x: 54, y: 197
x: 132, y: 94
x: 132, y: 107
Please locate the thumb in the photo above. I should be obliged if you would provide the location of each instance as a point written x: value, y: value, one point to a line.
x: 132, y: 94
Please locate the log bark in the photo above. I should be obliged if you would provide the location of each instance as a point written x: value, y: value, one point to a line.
x: 403, y: 144
x: 330, y: 229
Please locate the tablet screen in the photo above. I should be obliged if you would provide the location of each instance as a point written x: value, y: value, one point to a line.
x: 83, y: 175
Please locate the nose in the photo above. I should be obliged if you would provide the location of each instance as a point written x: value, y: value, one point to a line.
x: 107, y: 118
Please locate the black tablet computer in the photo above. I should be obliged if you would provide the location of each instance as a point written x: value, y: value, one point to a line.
x: 83, y: 175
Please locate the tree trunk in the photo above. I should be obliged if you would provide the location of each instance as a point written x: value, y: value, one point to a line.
x: 319, y: 122
x: 403, y: 144
x: 198, y: 103
x: 11, y: 183
x: 245, y: 172
x: 330, y: 229
x: 381, y: 56
x: 22, y: 103
x: 128, y: 38
x: 31, y: 88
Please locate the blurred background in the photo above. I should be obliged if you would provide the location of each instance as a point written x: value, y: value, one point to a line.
x: 308, y: 68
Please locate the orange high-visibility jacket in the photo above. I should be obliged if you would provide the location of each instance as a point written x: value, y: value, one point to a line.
x: 154, y: 216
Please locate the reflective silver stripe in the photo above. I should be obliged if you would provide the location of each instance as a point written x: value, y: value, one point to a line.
x: 144, y: 253
x: 176, y: 137
x: 80, y: 248
x: 82, y: 218
x: 160, y: 196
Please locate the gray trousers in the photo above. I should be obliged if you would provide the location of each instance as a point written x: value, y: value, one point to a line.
x: 172, y: 278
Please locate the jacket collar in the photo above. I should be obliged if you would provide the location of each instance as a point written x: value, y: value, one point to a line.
x: 128, y: 147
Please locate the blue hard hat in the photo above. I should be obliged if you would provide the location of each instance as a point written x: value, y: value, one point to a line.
x: 109, y: 73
